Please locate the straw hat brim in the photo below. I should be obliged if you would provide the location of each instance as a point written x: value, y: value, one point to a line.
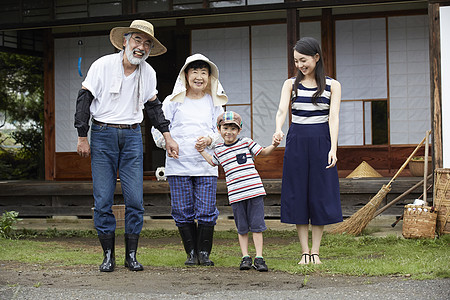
x: 116, y: 37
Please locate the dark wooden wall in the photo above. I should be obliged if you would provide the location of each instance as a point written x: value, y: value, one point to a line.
x: 385, y: 159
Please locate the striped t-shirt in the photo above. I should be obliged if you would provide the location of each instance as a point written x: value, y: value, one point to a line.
x: 243, y: 181
x: 304, y: 111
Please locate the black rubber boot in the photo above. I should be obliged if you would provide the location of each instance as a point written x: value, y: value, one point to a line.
x: 188, y: 234
x: 204, y: 244
x: 131, y: 243
x: 109, y: 261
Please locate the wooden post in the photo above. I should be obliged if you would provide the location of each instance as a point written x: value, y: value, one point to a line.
x: 293, y: 33
x: 49, y: 105
x: 327, y: 34
x: 425, y: 167
x: 435, y: 83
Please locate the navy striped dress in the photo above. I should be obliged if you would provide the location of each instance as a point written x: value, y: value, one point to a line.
x: 309, y: 192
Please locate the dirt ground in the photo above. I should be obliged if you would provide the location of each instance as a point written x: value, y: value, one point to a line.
x: 51, y: 281
x: 191, y: 281
x: 169, y: 280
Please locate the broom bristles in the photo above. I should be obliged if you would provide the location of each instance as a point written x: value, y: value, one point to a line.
x: 359, y: 220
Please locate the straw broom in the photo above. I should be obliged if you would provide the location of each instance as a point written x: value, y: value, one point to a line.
x: 359, y: 220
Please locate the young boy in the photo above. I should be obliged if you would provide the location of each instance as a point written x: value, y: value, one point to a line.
x: 245, y: 188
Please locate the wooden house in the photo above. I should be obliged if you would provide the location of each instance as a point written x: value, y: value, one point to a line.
x: 379, y: 50
x: 386, y: 55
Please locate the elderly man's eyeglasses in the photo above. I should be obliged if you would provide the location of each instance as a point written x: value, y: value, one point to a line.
x: 138, y: 40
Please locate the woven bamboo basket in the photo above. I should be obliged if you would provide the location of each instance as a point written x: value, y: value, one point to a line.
x: 441, y: 196
x: 417, y: 165
x: 119, y: 214
x: 419, y: 222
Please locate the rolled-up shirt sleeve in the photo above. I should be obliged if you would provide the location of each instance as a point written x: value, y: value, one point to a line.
x: 156, y: 115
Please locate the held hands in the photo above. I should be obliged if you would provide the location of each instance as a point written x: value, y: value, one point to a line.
x: 277, y: 138
x: 171, y: 146
x: 202, y: 143
x: 83, y: 148
x: 332, y: 159
x: 275, y: 142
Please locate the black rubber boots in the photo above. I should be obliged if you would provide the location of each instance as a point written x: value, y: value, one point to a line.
x: 188, y: 234
x: 109, y: 261
x: 204, y: 244
x: 197, y: 243
x: 131, y: 243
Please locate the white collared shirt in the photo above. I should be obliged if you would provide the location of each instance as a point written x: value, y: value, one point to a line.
x: 188, y: 121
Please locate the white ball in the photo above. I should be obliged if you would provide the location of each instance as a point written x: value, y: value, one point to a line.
x: 160, y: 174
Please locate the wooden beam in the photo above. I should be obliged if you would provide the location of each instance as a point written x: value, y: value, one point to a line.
x: 52, y: 198
x: 41, y: 189
x: 435, y: 83
x: 293, y: 33
x: 49, y: 105
x: 327, y: 36
x: 198, y: 12
x: 129, y: 7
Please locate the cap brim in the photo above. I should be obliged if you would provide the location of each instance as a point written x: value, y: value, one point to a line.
x: 229, y: 122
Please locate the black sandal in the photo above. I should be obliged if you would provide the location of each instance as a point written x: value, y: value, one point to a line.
x: 312, y: 258
x: 306, y: 262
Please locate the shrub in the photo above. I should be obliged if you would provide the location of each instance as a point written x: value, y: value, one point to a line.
x: 7, y: 221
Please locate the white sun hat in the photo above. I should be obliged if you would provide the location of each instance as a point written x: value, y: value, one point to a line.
x: 214, y: 87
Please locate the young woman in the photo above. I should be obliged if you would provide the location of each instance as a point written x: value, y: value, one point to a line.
x: 310, y: 188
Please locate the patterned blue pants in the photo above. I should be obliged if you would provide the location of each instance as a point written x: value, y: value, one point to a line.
x: 193, y: 197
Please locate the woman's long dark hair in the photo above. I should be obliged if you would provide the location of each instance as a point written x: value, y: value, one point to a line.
x: 310, y: 46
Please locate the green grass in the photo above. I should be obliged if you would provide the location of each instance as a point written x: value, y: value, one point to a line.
x: 365, y: 255
x: 38, y: 252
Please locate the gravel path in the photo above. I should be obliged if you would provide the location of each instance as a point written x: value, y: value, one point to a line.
x: 428, y: 289
x: 173, y: 283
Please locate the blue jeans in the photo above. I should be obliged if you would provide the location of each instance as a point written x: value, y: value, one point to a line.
x: 117, y: 150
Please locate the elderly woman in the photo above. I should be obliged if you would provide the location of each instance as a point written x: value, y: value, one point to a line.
x: 192, y: 109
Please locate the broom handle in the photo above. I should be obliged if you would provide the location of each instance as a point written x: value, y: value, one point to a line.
x: 406, y: 162
x: 401, y: 196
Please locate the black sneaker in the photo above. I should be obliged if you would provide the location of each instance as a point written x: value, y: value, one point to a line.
x: 246, y: 263
x: 260, y: 265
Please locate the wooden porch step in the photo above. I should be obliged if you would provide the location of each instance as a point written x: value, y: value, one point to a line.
x: 57, y: 198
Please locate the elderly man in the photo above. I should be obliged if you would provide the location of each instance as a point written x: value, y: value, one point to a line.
x: 115, y: 91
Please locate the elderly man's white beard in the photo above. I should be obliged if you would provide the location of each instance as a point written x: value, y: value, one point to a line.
x: 134, y: 60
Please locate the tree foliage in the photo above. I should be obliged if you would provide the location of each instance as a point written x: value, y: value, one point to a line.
x: 22, y: 104
x: 22, y: 88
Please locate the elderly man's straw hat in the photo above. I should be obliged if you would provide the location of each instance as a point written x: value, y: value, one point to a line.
x: 116, y: 36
